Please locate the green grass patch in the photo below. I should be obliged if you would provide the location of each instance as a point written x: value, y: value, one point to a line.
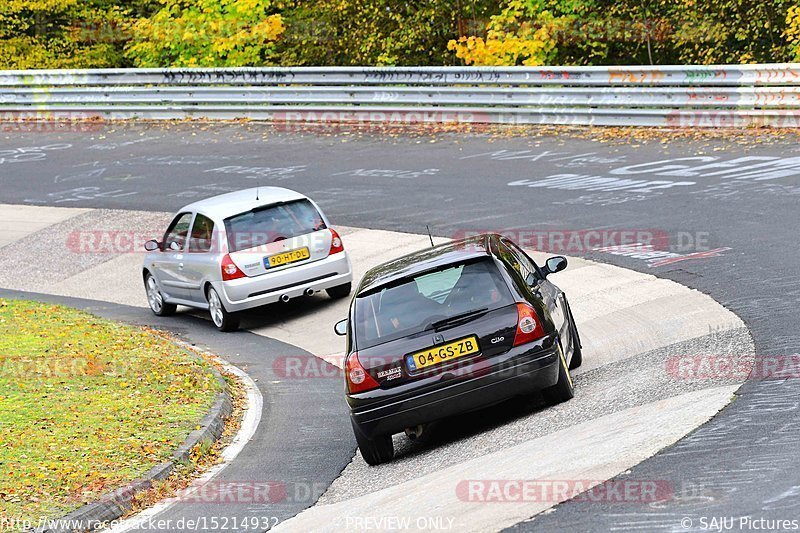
x: 87, y: 405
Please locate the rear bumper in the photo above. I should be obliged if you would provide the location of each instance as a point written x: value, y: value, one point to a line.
x: 247, y: 293
x: 517, y: 374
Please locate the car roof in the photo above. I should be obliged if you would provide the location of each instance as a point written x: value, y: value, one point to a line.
x: 233, y: 203
x: 427, y: 260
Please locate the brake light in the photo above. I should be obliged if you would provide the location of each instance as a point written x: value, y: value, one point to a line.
x: 358, y: 379
x: 529, y: 328
x: 230, y: 270
x: 336, y: 243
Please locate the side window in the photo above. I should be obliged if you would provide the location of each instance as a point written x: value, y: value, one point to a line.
x: 201, y: 239
x: 178, y: 231
x: 519, y: 261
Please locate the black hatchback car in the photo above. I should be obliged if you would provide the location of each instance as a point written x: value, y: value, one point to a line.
x: 451, y: 329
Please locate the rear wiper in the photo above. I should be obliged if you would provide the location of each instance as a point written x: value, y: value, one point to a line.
x: 461, y: 317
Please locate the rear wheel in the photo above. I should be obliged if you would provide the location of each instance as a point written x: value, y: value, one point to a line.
x: 563, y: 390
x: 155, y: 299
x: 224, y: 320
x: 376, y: 450
x: 340, y: 291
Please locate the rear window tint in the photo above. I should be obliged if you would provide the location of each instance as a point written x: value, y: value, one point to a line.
x: 273, y: 223
x: 413, y: 305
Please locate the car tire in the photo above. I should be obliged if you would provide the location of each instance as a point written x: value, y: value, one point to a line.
x: 222, y: 319
x: 577, y: 354
x: 564, y: 389
x: 155, y: 299
x: 376, y: 450
x: 340, y: 291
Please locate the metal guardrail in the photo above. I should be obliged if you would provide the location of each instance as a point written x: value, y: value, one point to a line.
x: 694, y: 96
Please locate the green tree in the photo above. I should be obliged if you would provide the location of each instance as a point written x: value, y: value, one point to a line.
x: 377, y: 32
x: 603, y: 32
x: 206, y: 33
x: 38, y: 34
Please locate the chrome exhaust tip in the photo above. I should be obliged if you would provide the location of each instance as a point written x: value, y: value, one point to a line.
x: 309, y: 292
x: 284, y: 298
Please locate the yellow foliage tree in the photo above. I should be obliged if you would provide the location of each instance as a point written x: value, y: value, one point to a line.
x: 206, y: 33
x: 524, y: 33
x: 793, y: 30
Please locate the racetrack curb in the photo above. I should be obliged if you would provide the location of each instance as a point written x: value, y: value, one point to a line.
x: 115, y: 504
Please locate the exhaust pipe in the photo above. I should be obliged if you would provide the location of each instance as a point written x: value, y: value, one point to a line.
x: 284, y: 298
x: 414, y: 433
x: 309, y: 292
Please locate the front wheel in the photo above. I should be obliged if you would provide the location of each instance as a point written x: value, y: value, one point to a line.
x: 340, y: 291
x: 376, y: 450
x: 155, y: 299
x: 564, y: 389
x: 224, y: 320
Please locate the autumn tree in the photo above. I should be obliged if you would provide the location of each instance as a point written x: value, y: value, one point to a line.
x: 206, y: 33
x: 602, y: 32
x: 63, y: 33
x: 793, y: 31
x: 377, y: 32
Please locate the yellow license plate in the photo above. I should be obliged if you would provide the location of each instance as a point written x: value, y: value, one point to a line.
x: 440, y: 354
x: 287, y: 257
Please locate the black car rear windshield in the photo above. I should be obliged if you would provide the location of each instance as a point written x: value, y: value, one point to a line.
x: 417, y: 303
x: 268, y: 224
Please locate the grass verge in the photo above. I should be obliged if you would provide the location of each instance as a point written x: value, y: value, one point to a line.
x: 87, y: 405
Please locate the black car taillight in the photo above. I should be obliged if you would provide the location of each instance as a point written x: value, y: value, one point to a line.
x: 358, y: 379
x: 529, y: 327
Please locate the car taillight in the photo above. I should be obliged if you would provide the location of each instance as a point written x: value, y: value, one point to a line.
x: 336, y: 243
x: 358, y: 379
x: 230, y: 270
x: 529, y: 328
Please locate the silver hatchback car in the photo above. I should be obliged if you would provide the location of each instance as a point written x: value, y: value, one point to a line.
x: 242, y: 250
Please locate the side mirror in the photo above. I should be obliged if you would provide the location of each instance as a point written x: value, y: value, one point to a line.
x: 174, y: 246
x: 555, y: 264
x: 152, y: 245
x: 341, y: 327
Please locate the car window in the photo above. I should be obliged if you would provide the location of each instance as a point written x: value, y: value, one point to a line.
x: 272, y: 223
x: 202, y: 234
x: 178, y: 231
x: 518, y: 260
x: 414, y: 304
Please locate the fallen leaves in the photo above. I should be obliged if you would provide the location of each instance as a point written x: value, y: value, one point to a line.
x: 87, y: 405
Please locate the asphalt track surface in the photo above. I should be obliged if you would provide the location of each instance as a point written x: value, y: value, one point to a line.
x: 740, y: 201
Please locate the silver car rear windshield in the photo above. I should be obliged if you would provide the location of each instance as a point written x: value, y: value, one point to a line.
x: 268, y: 224
x: 419, y: 303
